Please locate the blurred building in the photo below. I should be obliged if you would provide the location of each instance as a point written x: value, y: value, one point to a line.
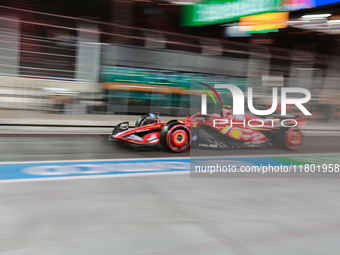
x: 75, y: 41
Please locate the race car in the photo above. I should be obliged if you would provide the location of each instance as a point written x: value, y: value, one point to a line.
x: 217, y: 131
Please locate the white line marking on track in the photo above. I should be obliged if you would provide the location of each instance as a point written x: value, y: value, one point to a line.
x: 174, y: 158
x: 138, y: 159
x: 91, y: 177
x: 93, y: 160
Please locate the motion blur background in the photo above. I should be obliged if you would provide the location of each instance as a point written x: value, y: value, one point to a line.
x: 72, y: 69
x: 132, y: 57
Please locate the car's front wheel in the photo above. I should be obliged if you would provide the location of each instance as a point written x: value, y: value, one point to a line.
x: 176, y: 137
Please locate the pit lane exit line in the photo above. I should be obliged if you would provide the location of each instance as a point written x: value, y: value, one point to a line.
x: 110, y: 168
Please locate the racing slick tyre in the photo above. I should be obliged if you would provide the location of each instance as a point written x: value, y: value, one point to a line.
x: 146, y: 119
x: 291, y: 138
x: 175, y: 137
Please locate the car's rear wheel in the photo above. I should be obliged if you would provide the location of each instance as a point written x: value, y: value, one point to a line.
x: 291, y: 138
x: 176, y: 137
x: 146, y: 119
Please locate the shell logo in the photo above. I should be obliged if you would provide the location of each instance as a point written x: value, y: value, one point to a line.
x: 236, y: 133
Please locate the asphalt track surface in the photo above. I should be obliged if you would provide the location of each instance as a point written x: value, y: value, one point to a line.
x: 49, y: 147
x: 164, y: 214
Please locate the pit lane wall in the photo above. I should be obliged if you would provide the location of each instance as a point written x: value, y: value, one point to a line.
x: 20, y: 93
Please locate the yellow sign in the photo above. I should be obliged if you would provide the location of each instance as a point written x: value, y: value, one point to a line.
x: 264, y: 21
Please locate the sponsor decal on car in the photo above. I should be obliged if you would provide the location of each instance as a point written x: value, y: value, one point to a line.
x: 135, y: 137
x: 153, y: 138
x: 124, y: 126
x: 208, y: 145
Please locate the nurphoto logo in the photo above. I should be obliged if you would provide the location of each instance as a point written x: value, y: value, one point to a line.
x: 238, y: 103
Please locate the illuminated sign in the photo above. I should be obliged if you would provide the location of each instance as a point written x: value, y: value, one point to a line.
x: 293, y: 5
x: 325, y: 2
x: 213, y: 12
x: 220, y: 11
x: 264, y: 21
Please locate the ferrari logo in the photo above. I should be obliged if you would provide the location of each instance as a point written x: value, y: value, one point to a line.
x: 194, y: 124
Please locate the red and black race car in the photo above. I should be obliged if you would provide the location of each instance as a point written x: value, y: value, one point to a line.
x: 219, y: 131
